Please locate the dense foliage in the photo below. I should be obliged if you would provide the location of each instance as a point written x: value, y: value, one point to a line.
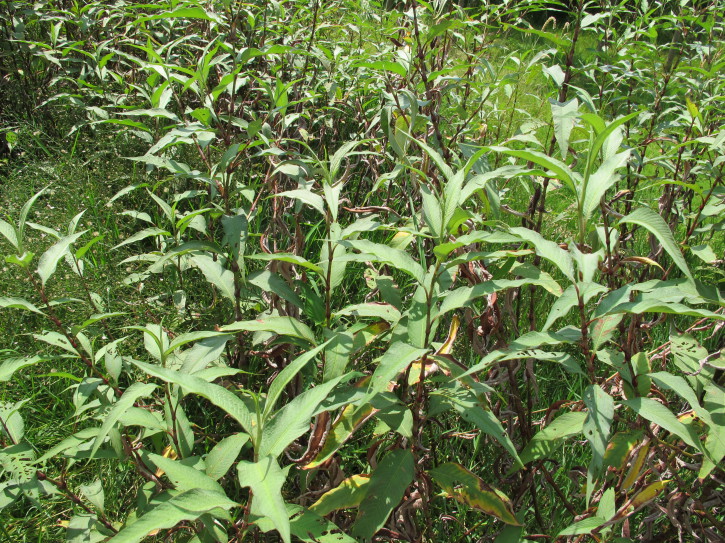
x: 345, y: 270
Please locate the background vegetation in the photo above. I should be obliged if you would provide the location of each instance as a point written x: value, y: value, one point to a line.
x: 349, y: 270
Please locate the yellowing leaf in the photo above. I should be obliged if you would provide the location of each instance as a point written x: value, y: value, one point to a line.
x: 469, y: 489
x: 349, y: 493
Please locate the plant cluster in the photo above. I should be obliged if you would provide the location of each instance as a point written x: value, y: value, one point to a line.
x: 417, y: 271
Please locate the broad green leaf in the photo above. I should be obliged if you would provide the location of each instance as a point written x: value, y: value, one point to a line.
x: 223, y: 455
x: 382, y: 311
x: 472, y: 411
x: 657, y: 413
x: 385, y: 66
x: 19, y: 303
x: 293, y: 420
x: 581, y: 527
x: 286, y: 375
x: 283, y: 326
x: 266, y: 479
x: 386, y: 488
x: 314, y: 528
x: 49, y: 260
x: 184, y: 477
x: 550, y: 438
x: 306, y: 196
x: 560, y: 170
x: 348, y: 494
x: 217, y: 275
x: 657, y: 226
x: 603, y: 329
x: 469, y: 489
x: 392, y: 257
x: 273, y: 282
x: 598, y: 423
x: 11, y: 365
x: 8, y: 230
x: 189, y: 505
x: 432, y: 212
x: 564, y: 116
x: 398, y: 357
x: 217, y: 395
x: 600, y: 182
x: 548, y: 249
x: 143, y: 234
x: 132, y: 393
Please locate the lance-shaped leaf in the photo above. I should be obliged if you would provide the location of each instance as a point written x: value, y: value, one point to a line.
x: 49, y: 261
x: 306, y: 196
x: 189, y: 505
x: 385, y: 490
x: 224, y: 454
x: 283, y: 326
x: 266, y: 478
x: 598, y: 423
x: 217, y: 395
x: 550, y: 438
x: 19, y: 303
x: 549, y: 250
x: 8, y: 230
x: 654, y: 411
x: 184, y: 477
x: 216, y: 274
x: 469, y: 489
x: 657, y: 226
x: 293, y: 420
x: 132, y: 393
x: 560, y: 170
x: 387, y: 255
x: 398, y: 356
x: 564, y: 116
x: 349, y: 493
x: 600, y: 182
x: 286, y: 375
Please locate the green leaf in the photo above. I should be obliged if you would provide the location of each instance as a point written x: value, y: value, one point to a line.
x: 387, y: 255
x: 189, y: 505
x: 143, y: 234
x: 386, y: 488
x: 216, y: 274
x: 432, y: 212
x: 385, y: 66
x: 654, y: 411
x: 286, y: 375
x: 585, y: 526
x: 600, y: 182
x: 598, y: 423
x: 266, y: 479
x: 398, y: 357
x: 348, y: 494
x: 217, y: 395
x: 184, y: 477
x: 293, y: 420
x: 19, y: 303
x: 472, y: 411
x: 11, y: 365
x: 469, y: 489
x: 550, y: 438
x: 603, y: 329
x: 560, y: 170
x: 548, y: 250
x: 132, y: 393
x: 283, y: 326
x: 224, y: 454
x: 657, y: 226
x: 308, y: 197
x: 8, y: 230
x: 49, y: 260
x: 564, y: 116
x: 313, y: 528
